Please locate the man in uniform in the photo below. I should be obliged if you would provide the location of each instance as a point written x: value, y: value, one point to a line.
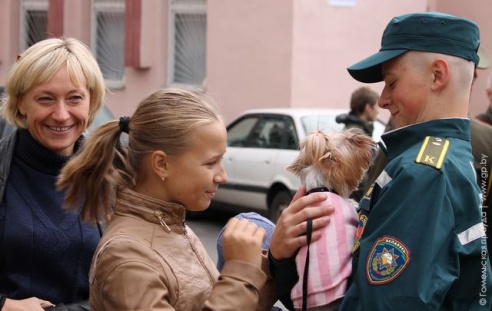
x: 421, y: 243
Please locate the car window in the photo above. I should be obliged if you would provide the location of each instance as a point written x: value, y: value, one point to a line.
x: 291, y: 141
x: 269, y: 132
x: 275, y: 130
x: 238, y: 132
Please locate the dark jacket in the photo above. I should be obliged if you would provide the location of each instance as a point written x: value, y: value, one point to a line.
x: 481, y: 141
x: 351, y: 120
x: 7, y: 148
x: 486, y: 116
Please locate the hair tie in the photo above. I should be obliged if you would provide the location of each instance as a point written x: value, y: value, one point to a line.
x: 124, y: 124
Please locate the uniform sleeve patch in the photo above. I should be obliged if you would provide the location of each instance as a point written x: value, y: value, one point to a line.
x: 433, y: 152
x: 387, y: 259
x: 360, y: 230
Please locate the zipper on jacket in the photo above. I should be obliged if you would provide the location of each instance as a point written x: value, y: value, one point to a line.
x: 200, y: 259
x: 160, y: 216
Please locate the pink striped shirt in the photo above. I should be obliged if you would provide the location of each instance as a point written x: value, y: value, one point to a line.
x: 330, y: 260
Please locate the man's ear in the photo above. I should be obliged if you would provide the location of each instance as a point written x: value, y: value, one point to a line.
x: 159, y: 163
x: 440, y: 74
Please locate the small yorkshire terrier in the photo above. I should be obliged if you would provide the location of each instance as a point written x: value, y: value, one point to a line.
x: 335, y: 163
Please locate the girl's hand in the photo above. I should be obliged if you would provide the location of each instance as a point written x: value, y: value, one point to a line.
x: 242, y: 240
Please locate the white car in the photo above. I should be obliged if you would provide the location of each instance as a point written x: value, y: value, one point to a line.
x: 260, y: 145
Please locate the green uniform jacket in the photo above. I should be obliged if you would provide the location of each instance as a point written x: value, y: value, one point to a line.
x: 421, y: 243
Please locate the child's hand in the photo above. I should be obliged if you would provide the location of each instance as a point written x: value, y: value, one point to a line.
x: 242, y: 240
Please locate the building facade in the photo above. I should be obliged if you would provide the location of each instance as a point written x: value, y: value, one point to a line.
x: 245, y: 54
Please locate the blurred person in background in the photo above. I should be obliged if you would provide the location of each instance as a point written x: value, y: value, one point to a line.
x: 363, y: 110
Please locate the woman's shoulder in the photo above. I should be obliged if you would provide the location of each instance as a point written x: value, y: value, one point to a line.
x: 7, y: 142
x: 7, y: 146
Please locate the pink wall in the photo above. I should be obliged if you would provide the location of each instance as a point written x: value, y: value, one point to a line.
x: 480, y: 12
x: 328, y: 39
x: 249, y: 54
x: 291, y: 53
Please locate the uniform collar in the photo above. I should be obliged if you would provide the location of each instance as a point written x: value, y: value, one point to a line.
x: 397, y: 141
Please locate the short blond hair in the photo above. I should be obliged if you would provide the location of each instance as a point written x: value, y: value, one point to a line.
x: 40, y: 62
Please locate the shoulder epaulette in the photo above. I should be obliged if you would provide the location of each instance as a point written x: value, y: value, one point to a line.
x: 433, y: 152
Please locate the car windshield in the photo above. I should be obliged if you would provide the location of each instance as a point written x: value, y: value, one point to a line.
x: 326, y: 123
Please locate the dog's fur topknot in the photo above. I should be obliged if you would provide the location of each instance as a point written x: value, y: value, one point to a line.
x: 336, y: 160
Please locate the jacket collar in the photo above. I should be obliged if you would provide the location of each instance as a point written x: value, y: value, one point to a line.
x: 136, y: 205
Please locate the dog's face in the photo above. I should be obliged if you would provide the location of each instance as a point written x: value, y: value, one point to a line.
x: 339, y: 159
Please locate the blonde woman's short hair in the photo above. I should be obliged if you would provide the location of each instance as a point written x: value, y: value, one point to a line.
x: 40, y: 62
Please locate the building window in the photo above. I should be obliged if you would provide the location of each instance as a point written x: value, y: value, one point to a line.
x: 108, y: 39
x: 34, y: 22
x: 187, y: 52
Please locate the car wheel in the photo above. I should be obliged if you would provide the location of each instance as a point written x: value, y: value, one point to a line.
x: 280, y: 202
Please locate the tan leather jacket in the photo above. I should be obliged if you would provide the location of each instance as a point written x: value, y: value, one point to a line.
x: 148, y: 259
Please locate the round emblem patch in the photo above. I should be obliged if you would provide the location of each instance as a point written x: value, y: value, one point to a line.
x: 387, y: 260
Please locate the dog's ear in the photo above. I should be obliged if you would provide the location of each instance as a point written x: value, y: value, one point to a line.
x: 301, y: 162
x: 363, y: 147
x: 362, y: 141
x: 332, y: 167
x: 359, y: 139
x: 330, y: 159
x: 296, y: 167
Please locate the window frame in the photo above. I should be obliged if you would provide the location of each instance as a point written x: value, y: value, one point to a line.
x: 30, y: 5
x: 106, y: 6
x: 182, y: 7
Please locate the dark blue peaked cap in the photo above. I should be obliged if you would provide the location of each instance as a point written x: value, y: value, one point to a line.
x: 430, y: 32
